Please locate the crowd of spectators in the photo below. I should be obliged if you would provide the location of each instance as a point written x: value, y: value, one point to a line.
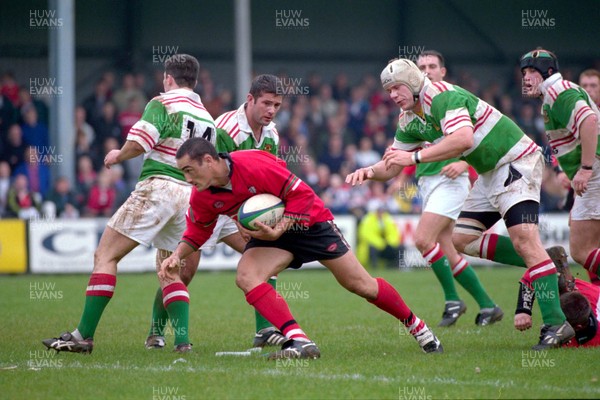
x: 327, y: 129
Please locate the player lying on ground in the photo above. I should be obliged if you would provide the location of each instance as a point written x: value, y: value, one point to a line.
x: 509, y: 165
x: 306, y: 233
x: 579, y: 300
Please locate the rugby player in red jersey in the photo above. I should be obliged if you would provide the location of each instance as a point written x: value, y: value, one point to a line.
x: 579, y: 300
x: 306, y: 233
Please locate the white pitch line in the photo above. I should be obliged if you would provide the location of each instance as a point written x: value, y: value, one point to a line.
x: 329, y: 377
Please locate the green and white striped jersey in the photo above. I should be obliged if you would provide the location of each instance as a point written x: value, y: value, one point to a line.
x: 168, y: 121
x: 409, y: 137
x: 565, y: 106
x: 497, y: 139
x: 234, y: 133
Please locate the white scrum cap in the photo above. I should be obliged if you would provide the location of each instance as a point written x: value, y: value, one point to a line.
x: 405, y: 72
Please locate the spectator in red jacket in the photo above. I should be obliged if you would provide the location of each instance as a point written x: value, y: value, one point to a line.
x: 102, y: 197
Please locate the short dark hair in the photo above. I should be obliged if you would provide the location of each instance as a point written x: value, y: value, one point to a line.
x: 196, y: 148
x: 265, y: 83
x: 576, y: 307
x: 184, y: 69
x: 434, y: 53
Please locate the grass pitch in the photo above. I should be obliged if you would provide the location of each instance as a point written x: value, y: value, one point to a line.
x: 365, y: 353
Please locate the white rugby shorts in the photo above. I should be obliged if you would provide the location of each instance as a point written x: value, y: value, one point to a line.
x: 492, y: 191
x: 444, y: 196
x: 225, y: 227
x: 154, y: 213
x: 587, y: 206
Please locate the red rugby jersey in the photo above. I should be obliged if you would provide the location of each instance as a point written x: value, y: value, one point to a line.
x: 592, y: 293
x: 252, y: 172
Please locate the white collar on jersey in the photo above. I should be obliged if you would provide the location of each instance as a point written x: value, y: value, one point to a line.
x: 426, y: 83
x: 552, y: 79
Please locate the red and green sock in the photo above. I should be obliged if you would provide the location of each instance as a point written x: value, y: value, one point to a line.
x: 466, y: 276
x: 100, y: 290
x: 176, y: 300
x: 500, y: 249
x: 545, y: 283
x: 441, y: 268
x: 160, y: 316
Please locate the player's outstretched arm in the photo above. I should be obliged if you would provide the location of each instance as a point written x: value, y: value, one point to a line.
x: 377, y: 172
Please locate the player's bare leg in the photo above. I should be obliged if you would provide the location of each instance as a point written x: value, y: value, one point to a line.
x: 258, y: 264
x: 585, y: 245
x: 445, y: 240
x: 235, y: 241
x: 112, y: 248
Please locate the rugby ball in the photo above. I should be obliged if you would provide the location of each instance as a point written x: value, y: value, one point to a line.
x: 264, y: 208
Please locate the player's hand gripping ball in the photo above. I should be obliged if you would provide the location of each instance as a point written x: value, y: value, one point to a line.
x: 264, y: 208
